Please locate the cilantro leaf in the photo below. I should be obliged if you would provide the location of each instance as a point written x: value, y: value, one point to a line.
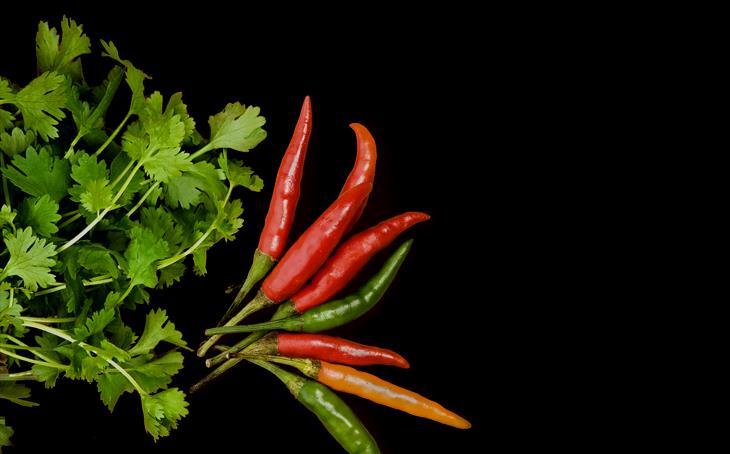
x: 61, y: 58
x: 16, y: 142
x: 156, y: 374
x: 157, y: 328
x: 144, y: 250
x: 40, y: 103
x: 38, y: 174
x: 94, y: 324
x: 134, y: 77
x: 167, y: 164
x: 171, y: 274
x: 93, y: 189
x: 186, y: 190
x: 48, y: 375
x: 16, y: 393
x: 30, y: 259
x: 163, y: 225
x: 6, y: 119
x: 6, y: 433
x: 239, y: 175
x: 111, y: 385
x: 236, y: 127
x: 92, y: 257
x: 7, y: 215
x: 162, y: 411
x: 41, y: 214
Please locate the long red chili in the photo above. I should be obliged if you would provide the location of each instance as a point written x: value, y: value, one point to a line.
x: 282, y: 207
x: 315, y: 245
x: 350, y: 257
x: 325, y: 348
x: 364, y: 169
x: 304, y: 257
x: 286, y: 189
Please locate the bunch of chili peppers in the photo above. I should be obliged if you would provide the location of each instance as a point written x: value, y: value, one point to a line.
x: 302, y: 283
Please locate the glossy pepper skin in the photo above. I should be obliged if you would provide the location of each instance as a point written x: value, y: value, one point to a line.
x: 364, y: 169
x: 285, y: 198
x: 312, y: 249
x: 303, y: 258
x: 335, y: 313
x: 350, y: 257
x: 332, y: 412
x: 352, y: 381
x: 282, y: 207
x: 325, y: 348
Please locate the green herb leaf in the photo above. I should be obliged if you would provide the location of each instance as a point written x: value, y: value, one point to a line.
x: 41, y: 214
x: 157, y: 329
x: 237, y: 127
x: 38, y: 174
x: 162, y: 411
x: 16, y: 142
x: 30, y: 259
x: 62, y: 58
x: 40, y: 103
x: 142, y: 254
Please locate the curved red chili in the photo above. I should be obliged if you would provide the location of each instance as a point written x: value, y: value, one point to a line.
x: 286, y: 189
x: 350, y: 257
x: 364, y: 169
x: 325, y: 348
x: 312, y: 249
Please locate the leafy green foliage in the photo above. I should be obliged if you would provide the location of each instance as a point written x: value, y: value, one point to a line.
x: 39, y: 174
x: 95, y: 217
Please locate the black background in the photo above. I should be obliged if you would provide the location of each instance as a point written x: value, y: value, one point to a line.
x: 409, y: 81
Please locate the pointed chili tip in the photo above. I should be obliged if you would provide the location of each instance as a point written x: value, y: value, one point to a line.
x: 307, y: 104
x: 402, y: 362
x: 360, y: 129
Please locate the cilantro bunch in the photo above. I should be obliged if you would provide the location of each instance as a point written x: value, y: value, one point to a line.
x: 94, y: 215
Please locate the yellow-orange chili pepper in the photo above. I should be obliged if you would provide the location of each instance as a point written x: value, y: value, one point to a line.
x: 370, y: 387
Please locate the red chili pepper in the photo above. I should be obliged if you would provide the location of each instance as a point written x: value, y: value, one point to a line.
x: 304, y: 257
x: 350, y: 258
x: 315, y: 245
x: 282, y: 207
x: 325, y: 348
x: 364, y: 169
x: 286, y: 190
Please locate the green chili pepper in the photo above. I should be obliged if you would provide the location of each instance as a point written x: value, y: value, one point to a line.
x: 333, y: 413
x: 335, y: 313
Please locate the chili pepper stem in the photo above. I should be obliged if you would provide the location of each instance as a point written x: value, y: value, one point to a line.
x: 220, y: 370
x: 291, y: 381
x: 283, y: 311
x: 260, y: 267
x: 256, y: 304
x: 265, y: 326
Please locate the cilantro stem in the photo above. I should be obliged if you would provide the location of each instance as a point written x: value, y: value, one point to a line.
x: 49, y: 320
x: 69, y: 221
x: 78, y: 137
x: 203, y: 237
x: 141, y: 200
x: 201, y: 151
x: 101, y: 215
x: 23, y: 344
x: 6, y: 192
x: 121, y: 175
x: 98, y: 280
x: 114, y: 134
x: 69, y: 213
x: 31, y: 360
x: 25, y: 375
x: 89, y: 348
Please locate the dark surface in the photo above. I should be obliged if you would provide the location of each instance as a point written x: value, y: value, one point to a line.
x: 408, y: 87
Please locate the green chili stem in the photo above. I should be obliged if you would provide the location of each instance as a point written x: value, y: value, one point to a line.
x: 257, y: 303
x: 100, y: 216
x: 113, y: 134
x: 215, y: 374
